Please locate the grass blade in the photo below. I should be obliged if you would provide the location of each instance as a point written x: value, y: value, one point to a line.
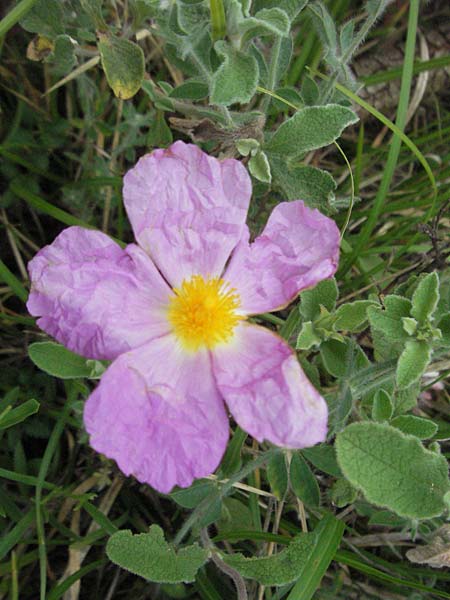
x: 329, y: 533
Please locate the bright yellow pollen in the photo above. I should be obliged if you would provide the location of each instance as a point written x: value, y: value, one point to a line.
x: 203, y: 312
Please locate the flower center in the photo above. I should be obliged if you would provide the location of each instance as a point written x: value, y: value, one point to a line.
x: 203, y: 312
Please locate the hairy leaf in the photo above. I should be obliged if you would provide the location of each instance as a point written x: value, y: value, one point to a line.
x: 151, y: 557
x: 277, y: 569
x: 393, y: 469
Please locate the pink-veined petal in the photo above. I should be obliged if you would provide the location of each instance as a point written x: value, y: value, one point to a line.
x: 95, y: 298
x: 298, y: 248
x: 267, y: 391
x: 187, y: 209
x: 158, y: 414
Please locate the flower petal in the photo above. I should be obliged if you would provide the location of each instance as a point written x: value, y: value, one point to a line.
x: 298, y: 248
x: 158, y: 414
x: 94, y: 297
x: 266, y: 390
x: 187, y: 209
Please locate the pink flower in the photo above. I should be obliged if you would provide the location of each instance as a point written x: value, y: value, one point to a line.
x: 171, y: 314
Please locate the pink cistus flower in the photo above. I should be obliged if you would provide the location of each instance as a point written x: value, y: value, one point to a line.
x: 172, y: 314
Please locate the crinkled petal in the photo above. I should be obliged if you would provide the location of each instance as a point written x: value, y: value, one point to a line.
x: 158, y: 414
x: 95, y: 298
x: 187, y: 209
x: 266, y: 390
x: 298, y: 248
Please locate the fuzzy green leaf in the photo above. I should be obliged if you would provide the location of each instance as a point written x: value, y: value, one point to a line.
x: 352, y: 317
x: 268, y: 21
x: 159, y: 133
x: 315, y: 186
x: 444, y: 326
x: 190, y: 90
x: 323, y: 294
x: 303, y: 483
x: 323, y: 457
x: 405, y: 400
x: 259, y: 167
x: 236, y: 78
x: 308, y: 337
x: 277, y: 569
x: 151, y: 557
x: 382, y: 408
x: 277, y: 475
x: 412, y: 425
x: 412, y: 363
x: 389, y: 320
x: 56, y: 360
x: 291, y: 7
x: 46, y: 17
x: 192, y: 496
x: 310, y: 128
x: 425, y: 297
x: 393, y: 470
x: 123, y: 63
x: 342, y: 493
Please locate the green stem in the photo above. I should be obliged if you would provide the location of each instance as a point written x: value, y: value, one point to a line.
x: 14, y: 15
x: 11, y: 280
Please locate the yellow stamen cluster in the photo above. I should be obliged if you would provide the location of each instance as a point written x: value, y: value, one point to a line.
x: 202, y: 312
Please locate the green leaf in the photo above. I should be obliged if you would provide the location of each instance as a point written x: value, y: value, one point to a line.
x: 323, y: 457
x: 232, y: 460
x: 373, y: 377
x: 315, y: 186
x: 342, y: 359
x: 412, y: 425
x: 382, y: 408
x: 291, y: 7
x: 277, y: 475
x: 56, y: 360
x: 159, y: 133
x: 342, y: 493
x: 259, y: 167
x: 62, y: 57
x: 444, y: 326
x: 389, y: 320
x: 123, y: 63
x: 412, y: 363
x: 278, y: 569
x: 409, y: 325
x: 426, y: 297
x: 303, y: 483
x: 151, y: 557
x: 236, y: 78
x: 192, y: 496
x: 393, y: 470
x: 94, y: 9
x: 308, y: 337
x: 405, y: 400
x: 310, y: 91
x: 310, y: 128
x: 235, y: 516
x: 268, y: 21
x: 352, y: 317
x: 246, y: 146
x: 190, y: 90
x: 46, y: 18
x: 323, y: 294
x: 13, y: 416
